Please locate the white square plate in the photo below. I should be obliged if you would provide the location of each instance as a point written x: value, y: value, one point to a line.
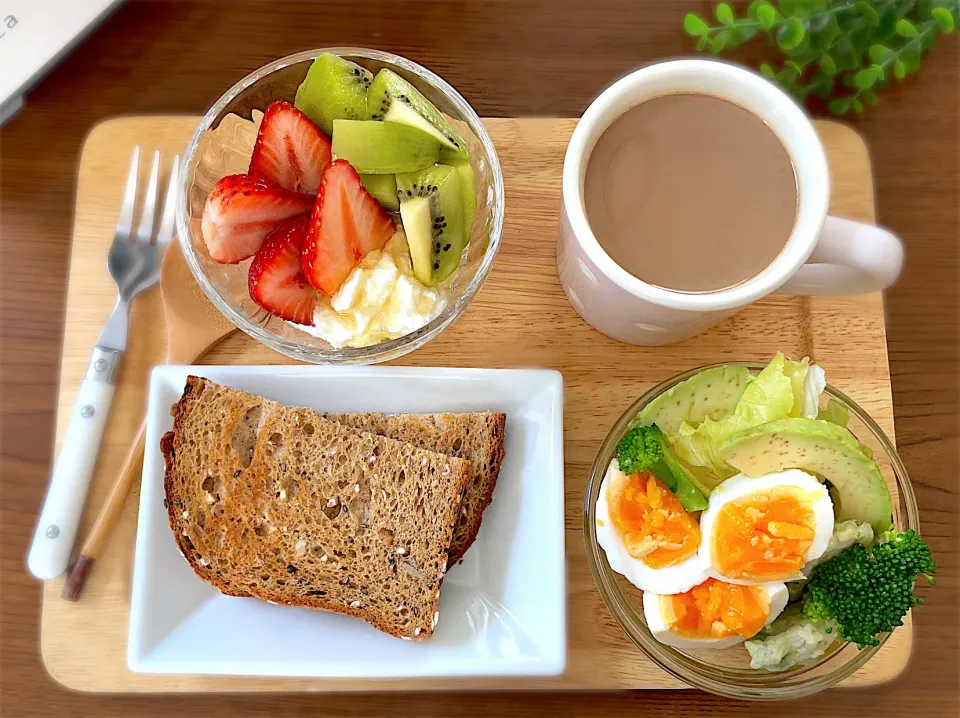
x: 502, y: 610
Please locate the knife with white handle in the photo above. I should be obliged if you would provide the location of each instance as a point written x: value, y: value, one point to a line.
x: 134, y: 264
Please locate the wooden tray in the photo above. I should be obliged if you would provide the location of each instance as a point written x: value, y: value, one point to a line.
x: 523, y: 307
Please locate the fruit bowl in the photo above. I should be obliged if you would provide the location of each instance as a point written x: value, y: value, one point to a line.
x: 222, y: 145
x: 726, y: 671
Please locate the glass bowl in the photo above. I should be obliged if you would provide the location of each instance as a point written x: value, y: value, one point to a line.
x: 726, y: 671
x: 222, y: 144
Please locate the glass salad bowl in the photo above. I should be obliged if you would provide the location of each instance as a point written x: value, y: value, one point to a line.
x: 727, y: 671
x: 222, y: 145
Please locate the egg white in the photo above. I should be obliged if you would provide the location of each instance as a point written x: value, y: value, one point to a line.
x: 668, y: 580
x: 740, y: 486
x: 659, y: 625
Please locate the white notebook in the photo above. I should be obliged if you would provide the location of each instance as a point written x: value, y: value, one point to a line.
x: 34, y: 36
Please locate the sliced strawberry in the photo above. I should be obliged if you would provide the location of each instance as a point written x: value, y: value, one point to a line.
x: 241, y: 211
x: 276, y: 281
x: 346, y: 224
x: 290, y: 150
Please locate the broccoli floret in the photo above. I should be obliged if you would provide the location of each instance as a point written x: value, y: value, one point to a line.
x: 644, y: 449
x: 640, y: 449
x: 868, y: 593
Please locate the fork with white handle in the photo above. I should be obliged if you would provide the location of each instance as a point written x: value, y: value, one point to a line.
x: 134, y: 264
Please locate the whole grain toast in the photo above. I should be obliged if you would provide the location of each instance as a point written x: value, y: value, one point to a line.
x: 476, y: 437
x: 279, y: 503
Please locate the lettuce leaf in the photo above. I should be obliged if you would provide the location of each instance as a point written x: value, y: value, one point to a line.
x: 835, y: 413
x: 813, y: 386
x: 781, y: 390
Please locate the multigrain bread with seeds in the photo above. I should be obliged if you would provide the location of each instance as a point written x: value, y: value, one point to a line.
x: 479, y: 438
x: 279, y: 503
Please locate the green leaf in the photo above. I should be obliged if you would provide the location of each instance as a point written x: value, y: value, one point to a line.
x: 791, y: 33
x: 899, y: 70
x: 822, y: 85
x: 827, y: 64
x: 880, y: 54
x: 867, y: 77
x: 799, y: 93
x: 719, y: 42
x: 724, y: 14
x: 694, y: 25
x: 801, y: 50
x: 829, y: 34
x: 739, y: 34
x: 846, y: 57
x: 702, y: 43
x: 869, y: 96
x: 806, y: 57
x: 767, y: 71
x: 840, y: 106
x: 861, y: 37
x: 767, y: 16
x: 786, y: 77
x: 889, y: 14
x: 855, y: 103
x: 910, y: 57
x: 868, y: 13
x: 943, y: 17
x: 818, y: 22
x: 796, y: 8
x: 794, y: 66
x: 905, y: 28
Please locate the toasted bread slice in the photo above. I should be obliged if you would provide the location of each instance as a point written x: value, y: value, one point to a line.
x: 279, y: 503
x: 475, y: 437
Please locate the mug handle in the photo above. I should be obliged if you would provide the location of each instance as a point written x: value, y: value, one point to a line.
x: 850, y: 258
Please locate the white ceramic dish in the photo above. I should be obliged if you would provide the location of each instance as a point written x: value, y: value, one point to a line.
x: 502, y: 610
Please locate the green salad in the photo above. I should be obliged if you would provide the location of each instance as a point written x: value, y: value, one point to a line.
x: 748, y: 513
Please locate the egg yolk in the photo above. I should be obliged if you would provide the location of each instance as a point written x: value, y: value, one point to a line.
x: 717, y: 609
x: 764, y: 536
x: 655, y: 527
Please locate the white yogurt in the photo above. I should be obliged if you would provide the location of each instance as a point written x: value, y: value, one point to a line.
x: 379, y: 301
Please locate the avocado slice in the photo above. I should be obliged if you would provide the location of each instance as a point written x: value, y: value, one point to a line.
x: 710, y: 393
x: 821, y: 448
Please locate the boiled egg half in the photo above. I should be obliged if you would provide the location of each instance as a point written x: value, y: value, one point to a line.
x: 765, y: 529
x: 714, y: 614
x: 647, y: 535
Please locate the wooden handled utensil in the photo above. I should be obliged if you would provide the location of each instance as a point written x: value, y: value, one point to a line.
x: 193, y: 326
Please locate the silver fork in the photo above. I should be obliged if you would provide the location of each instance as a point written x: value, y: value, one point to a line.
x: 134, y: 264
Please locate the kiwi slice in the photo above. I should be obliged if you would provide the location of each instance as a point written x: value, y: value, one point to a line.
x: 383, y: 148
x: 393, y: 99
x: 383, y: 188
x: 467, y: 185
x: 469, y: 192
x: 333, y: 89
x: 431, y: 208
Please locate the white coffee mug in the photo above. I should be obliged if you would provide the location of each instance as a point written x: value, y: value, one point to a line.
x: 824, y: 255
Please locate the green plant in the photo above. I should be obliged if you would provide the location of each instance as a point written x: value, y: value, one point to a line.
x: 868, y: 593
x: 840, y: 49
